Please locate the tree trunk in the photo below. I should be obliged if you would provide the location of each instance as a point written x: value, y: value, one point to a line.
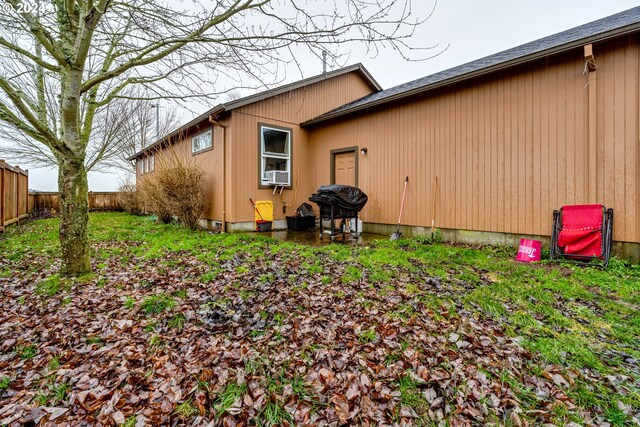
x: 72, y: 181
x: 74, y: 217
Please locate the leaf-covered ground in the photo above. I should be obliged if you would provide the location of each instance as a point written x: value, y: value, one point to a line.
x: 191, y: 328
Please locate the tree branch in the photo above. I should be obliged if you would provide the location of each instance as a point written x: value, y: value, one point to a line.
x: 31, y: 56
x: 27, y: 114
x: 140, y: 60
x: 6, y: 115
x: 43, y: 36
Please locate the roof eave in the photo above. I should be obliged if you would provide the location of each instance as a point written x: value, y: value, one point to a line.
x: 232, y: 105
x: 215, y: 111
x: 302, y: 83
x: 629, y: 29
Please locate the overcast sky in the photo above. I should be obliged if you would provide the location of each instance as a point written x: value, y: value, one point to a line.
x: 471, y: 29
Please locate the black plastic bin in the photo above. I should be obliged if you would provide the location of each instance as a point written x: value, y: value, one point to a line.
x: 301, y: 222
x: 262, y: 225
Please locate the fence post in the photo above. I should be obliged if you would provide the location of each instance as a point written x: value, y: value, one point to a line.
x: 2, y: 200
x: 18, y: 173
x: 26, y: 193
x: 17, y: 195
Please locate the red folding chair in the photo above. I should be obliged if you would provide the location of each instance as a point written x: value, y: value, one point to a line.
x: 582, y: 232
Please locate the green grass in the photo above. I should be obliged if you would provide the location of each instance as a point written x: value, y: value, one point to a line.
x: 129, y: 303
x: 410, y: 394
x: 54, y: 364
x: 59, y: 392
x: 156, y: 304
x: 130, y: 422
x: 54, y: 394
x: 273, y: 414
x: 576, y: 317
x: 177, y: 322
x: 182, y: 294
x: 49, y: 286
x: 41, y: 399
x: 403, y: 312
x: 27, y: 352
x: 186, y: 410
x: 156, y: 342
x: 368, y: 336
x: 5, y: 382
x: 93, y: 340
x: 299, y: 386
x: 227, y: 396
x: 352, y: 274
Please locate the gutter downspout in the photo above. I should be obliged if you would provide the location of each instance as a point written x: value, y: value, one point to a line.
x: 223, y: 227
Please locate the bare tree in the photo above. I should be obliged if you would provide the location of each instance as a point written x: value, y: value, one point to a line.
x: 120, y: 130
x: 129, y: 126
x: 89, y: 53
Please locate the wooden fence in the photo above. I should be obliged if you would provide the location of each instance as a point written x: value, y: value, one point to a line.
x: 16, y: 201
x: 98, y: 201
x: 14, y: 191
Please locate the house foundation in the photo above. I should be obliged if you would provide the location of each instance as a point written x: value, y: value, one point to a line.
x: 624, y: 250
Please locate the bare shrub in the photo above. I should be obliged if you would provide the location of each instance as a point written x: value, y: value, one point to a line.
x: 128, y: 198
x: 177, y: 189
x: 153, y: 197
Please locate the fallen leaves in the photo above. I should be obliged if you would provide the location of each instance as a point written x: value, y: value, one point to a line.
x: 265, y: 339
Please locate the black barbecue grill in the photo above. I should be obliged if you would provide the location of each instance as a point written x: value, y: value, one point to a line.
x: 339, y: 202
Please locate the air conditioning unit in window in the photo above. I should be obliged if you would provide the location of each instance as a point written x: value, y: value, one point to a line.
x: 277, y: 178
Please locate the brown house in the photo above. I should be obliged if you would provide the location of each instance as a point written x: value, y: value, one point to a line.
x: 490, y: 147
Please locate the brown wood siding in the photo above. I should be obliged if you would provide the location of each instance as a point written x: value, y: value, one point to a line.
x: 287, y: 110
x: 241, y: 139
x: 618, y: 125
x: 210, y: 161
x: 507, y: 148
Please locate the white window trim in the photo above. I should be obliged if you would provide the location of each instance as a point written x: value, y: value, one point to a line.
x: 152, y: 162
x: 210, y: 140
x: 264, y: 154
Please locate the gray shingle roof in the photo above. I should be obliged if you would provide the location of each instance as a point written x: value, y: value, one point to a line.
x: 611, y: 26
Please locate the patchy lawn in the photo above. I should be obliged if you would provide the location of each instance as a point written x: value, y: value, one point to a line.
x: 180, y: 327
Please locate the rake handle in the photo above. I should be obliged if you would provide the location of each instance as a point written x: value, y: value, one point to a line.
x: 256, y: 208
x: 404, y: 192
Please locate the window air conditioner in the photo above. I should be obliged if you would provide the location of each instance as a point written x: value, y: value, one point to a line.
x: 277, y: 178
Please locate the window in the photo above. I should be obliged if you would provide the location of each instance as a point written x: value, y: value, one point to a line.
x: 146, y: 164
x: 275, y: 151
x: 201, y: 142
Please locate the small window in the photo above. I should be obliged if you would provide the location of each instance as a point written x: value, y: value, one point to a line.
x: 275, y: 151
x: 152, y: 163
x: 201, y: 142
x: 146, y: 164
x: 140, y: 166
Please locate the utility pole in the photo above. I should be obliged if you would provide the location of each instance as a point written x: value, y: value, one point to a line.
x: 157, y: 105
x: 324, y: 62
x: 144, y: 128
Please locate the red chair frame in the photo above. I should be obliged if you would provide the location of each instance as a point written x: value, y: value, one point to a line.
x: 590, y: 229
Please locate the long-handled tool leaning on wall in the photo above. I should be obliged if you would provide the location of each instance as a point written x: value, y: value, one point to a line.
x: 396, y: 235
